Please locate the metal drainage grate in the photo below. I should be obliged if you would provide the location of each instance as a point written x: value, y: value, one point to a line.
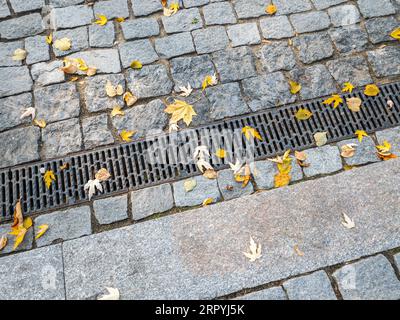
x: 130, y: 170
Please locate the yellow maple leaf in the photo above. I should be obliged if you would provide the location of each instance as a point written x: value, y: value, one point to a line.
x: 129, y: 99
x: 116, y: 111
x: 101, y: 20
x: 335, y: 99
x: 220, y: 153
x: 347, y: 87
x: 209, y: 81
x: 294, y: 87
x: 281, y: 179
x: 303, y: 114
x: 180, y: 110
x: 396, y: 34
x: 271, y: 9
x: 82, y: 64
x: 135, y: 64
x: 48, y: 178
x: 40, y: 123
x: 49, y: 39
x: 27, y: 223
x: 385, y: 147
x: 19, y: 237
x: 126, y: 135
x: 360, y: 134
x: 42, y: 229
x: 371, y: 90
x: 250, y: 132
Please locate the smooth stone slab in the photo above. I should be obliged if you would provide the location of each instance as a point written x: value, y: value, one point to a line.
x: 68, y: 224
x: 5, y: 229
x: 174, y: 257
x: 37, y: 275
x: 368, y: 279
x: 365, y: 152
x: 111, y: 210
x: 21, y: 80
x: 226, y: 179
x: 105, y: 60
x: 11, y: 109
x: 148, y: 201
x: 322, y: 160
x: 392, y: 136
x: 274, y: 293
x: 315, y: 286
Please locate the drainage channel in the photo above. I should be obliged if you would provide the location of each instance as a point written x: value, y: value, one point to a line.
x: 131, y: 170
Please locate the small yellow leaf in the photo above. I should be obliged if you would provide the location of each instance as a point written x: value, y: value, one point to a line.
x: 303, y: 114
x: 385, y: 147
x: 335, y: 99
x: 48, y: 178
x: 135, y: 64
x: 111, y: 91
x: 250, y: 132
x: 116, y: 111
x: 126, y: 135
x: 19, y: 55
x: 281, y: 179
x: 207, y: 201
x: 209, y: 81
x: 298, y: 251
x: 271, y: 9
x: 101, y: 20
x: 82, y: 64
x: 180, y: 110
x: 63, y: 44
x: 220, y: 153
x: 20, y: 237
x: 371, y: 90
x: 129, y: 99
x: 120, y: 19
x: 40, y: 123
x: 348, y: 87
x: 360, y: 134
x: 3, y: 242
x: 102, y: 175
x: 321, y: 138
x: 348, y: 167
x: 396, y: 34
x: 294, y: 87
x: 42, y: 229
x: 49, y: 39
x: 189, y: 185
x: 354, y: 104
x: 27, y: 223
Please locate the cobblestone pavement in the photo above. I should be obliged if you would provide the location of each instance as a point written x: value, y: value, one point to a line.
x: 154, y: 251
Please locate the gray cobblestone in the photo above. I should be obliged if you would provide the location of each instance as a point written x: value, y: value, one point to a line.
x: 150, y: 81
x: 323, y: 160
x: 24, y: 26
x: 101, y: 36
x: 351, y: 69
x: 141, y: 50
x: 365, y: 152
x: 344, y: 15
x: 385, y: 62
x: 267, y: 91
x: 174, y: 45
x: 292, y: 6
x: 205, y: 188
x: 373, y: 8
x: 141, y: 8
x: 315, y: 286
x: 226, y: 101
x: 37, y: 49
x: 149, y: 201
x: 323, y: 4
x: 61, y: 138
x: 140, y: 28
x: 277, y: 56
x: 111, y: 210
x: 274, y: 293
x: 316, y: 81
x: 210, y: 39
x: 183, y: 21
x: 68, y: 224
x: 70, y: 17
x: 250, y: 8
x: 5, y: 229
x: 244, y: 34
x: 112, y: 8
x: 47, y: 73
x: 22, y: 146
x: 219, y: 13
x: 57, y: 102
x: 313, y: 47
x: 310, y: 21
x: 78, y: 37
x: 7, y: 51
x: 397, y: 260
x: 392, y: 136
x: 235, y: 64
x: 349, y: 39
x: 226, y: 180
x: 369, y: 279
x: 11, y: 109
x: 23, y: 6
x: 105, y: 60
x: 65, y: 3
x: 21, y: 82
x: 4, y: 11
x: 96, y: 132
x: 379, y: 29
x: 276, y: 28
x: 194, y: 3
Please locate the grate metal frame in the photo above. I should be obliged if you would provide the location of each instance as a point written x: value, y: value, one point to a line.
x: 129, y: 169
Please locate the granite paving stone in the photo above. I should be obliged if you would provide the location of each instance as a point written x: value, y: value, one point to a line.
x: 110, y: 210
x: 344, y: 15
x: 7, y: 51
x: 244, y: 34
x: 192, y: 70
x: 397, y: 260
x: 64, y: 3
x: 351, y: 69
x: 219, y: 13
x: 57, y: 102
x: 194, y: 3
x: 277, y: 55
x: 323, y: 4
x: 79, y: 40
x: 249, y: 8
x: 21, y: 80
x: 235, y: 64
x: 140, y: 50
x: 183, y: 21
x: 95, y: 94
x: 229, y: 188
x: 20, y: 27
x: 392, y: 136
x: 150, y: 81
x: 274, y: 293
x: 112, y: 9
x: 368, y: 279
x: 266, y: 170
x: 385, y: 62
x: 41, y: 268
x: 70, y: 17
x: 373, y: 8
x: 101, y: 36
x: 105, y: 60
x: 24, y: 6
x: 37, y: 49
x: 323, y: 160
x: 292, y: 6
x: 210, y: 39
x: 313, y: 47
x: 95, y: 131
x: 4, y: 10
x: 141, y: 119
x: 174, y: 45
x: 365, y: 152
x: 315, y: 286
x: 149, y: 201
x: 276, y: 28
x: 310, y: 21
x: 316, y: 81
x: 226, y: 101
x: 26, y: 244
x: 141, y: 8
x: 379, y: 29
x: 178, y: 251
x: 22, y: 146
x: 267, y: 91
x: 11, y: 109
x: 349, y: 39
x: 61, y: 138
x: 67, y: 224
x: 140, y: 28
x: 205, y: 188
